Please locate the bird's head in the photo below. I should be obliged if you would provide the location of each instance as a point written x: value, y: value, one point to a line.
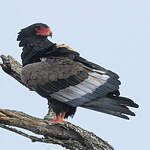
x: 36, y: 30
x: 34, y: 41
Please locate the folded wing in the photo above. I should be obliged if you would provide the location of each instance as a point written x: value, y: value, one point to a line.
x: 77, y: 83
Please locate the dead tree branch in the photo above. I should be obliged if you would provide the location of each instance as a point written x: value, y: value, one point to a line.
x: 67, y: 135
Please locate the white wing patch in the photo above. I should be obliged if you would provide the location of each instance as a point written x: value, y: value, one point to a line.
x: 43, y: 59
x: 88, y: 86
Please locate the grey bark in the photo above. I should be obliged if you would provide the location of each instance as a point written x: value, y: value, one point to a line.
x: 67, y: 135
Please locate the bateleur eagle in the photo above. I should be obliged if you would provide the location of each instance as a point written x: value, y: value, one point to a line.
x: 66, y: 79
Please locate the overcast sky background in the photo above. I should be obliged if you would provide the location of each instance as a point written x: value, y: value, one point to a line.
x: 112, y: 33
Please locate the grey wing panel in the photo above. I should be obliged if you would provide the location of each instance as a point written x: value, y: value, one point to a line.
x: 52, y: 76
x: 91, y: 88
x: 96, y: 86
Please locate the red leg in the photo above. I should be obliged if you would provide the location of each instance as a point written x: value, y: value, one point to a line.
x: 59, y: 118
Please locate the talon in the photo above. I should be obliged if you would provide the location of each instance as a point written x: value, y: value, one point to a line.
x: 59, y: 118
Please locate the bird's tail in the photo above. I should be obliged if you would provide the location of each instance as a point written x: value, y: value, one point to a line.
x: 114, y: 105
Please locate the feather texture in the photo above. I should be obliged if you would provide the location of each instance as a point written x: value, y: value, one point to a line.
x: 116, y: 106
x: 68, y: 80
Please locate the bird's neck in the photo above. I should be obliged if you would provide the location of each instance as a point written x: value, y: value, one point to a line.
x: 34, y: 48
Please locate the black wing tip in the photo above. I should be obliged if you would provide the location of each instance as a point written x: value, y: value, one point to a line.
x: 131, y: 113
x: 126, y: 101
x: 136, y: 105
x: 133, y: 104
x: 124, y: 117
x: 112, y: 74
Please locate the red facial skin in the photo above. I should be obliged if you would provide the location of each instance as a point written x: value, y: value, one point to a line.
x: 43, y: 31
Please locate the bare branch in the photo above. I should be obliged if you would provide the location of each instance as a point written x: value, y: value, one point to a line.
x: 33, y: 138
x: 66, y: 135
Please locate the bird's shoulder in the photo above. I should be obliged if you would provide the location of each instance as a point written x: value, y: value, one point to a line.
x: 64, y: 50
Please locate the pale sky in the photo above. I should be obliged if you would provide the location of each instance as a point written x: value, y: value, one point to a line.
x: 112, y: 33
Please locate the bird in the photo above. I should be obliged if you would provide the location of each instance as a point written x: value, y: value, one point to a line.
x: 67, y: 80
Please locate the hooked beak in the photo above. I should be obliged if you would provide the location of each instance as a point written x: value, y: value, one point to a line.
x: 50, y: 34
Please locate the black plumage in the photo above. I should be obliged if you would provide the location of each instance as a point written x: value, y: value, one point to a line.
x: 68, y: 80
